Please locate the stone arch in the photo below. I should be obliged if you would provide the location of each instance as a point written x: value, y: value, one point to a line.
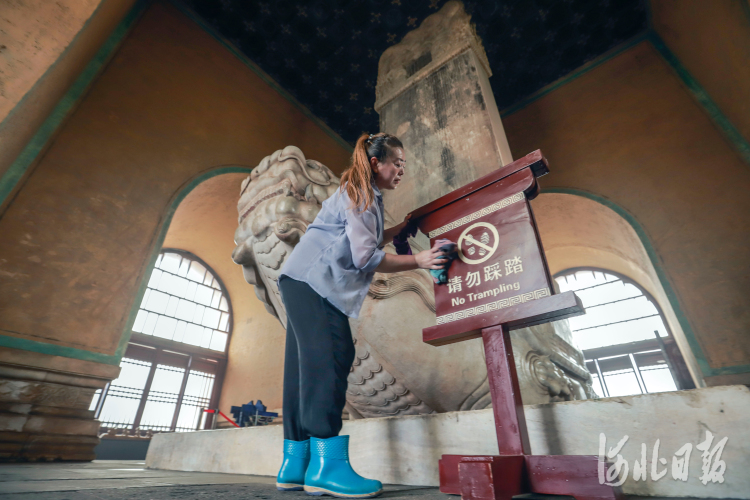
x: 580, y: 229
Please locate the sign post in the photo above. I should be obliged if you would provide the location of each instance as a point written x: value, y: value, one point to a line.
x: 500, y: 282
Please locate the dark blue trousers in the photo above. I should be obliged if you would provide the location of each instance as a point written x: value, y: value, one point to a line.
x: 319, y: 355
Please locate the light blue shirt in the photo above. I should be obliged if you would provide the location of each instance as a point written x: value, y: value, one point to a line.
x: 338, y: 254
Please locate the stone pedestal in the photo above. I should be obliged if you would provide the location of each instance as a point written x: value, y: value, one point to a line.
x: 406, y: 450
x: 44, y: 406
x: 433, y: 92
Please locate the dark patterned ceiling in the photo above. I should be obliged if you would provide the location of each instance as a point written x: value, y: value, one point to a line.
x: 325, y: 52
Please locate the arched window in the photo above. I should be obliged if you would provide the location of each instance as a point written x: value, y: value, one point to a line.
x: 176, y: 356
x: 185, y: 302
x: 626, y: 342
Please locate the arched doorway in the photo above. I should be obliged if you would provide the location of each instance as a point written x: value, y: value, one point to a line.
x: 580, y: 233
x: 625, y: 339
x: 177, y: 350
x: 199, y: 226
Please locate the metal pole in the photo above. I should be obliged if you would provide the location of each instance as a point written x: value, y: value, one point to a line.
x: 215, y: 392
x: 181, y: 394
x: 146, y: 390
x: 100, y: 403
x: 601, y: 378
x: 203, y: 412
x: 637, y: 373
x: 672, y: 371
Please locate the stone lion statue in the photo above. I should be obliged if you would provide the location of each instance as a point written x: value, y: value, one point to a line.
x: 279, y: 199
x: 394, y: 372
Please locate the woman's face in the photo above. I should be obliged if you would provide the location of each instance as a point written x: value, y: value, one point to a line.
x: 388, y: 173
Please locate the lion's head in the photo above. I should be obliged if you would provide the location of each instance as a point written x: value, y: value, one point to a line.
x: 279, y: 199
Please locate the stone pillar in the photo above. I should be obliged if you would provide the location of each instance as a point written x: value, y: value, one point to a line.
x: 434, y: 93
x: 44, y: 405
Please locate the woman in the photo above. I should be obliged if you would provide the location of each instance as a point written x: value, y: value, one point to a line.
x: 324, y: 283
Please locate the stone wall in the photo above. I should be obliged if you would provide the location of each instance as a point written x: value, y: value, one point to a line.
x: 44, y: 406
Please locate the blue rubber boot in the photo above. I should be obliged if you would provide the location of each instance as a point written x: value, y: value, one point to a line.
x: 330, y: 473
x: 291, y: 476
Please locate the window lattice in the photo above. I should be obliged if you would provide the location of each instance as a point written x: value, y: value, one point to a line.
x: 614, y: 333
x: 125, y: 393
x: 186, y: 303
x: 197, y: 396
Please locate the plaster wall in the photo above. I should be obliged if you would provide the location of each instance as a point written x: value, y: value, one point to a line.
x: 172, y: 104
x: 46, y: 45
x: 204, y: 224
x: 628, y: 132
x: 579, y: 232
x: 712, y: 40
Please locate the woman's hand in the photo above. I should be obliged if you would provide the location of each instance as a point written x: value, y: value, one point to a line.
x: 425, y: 260
x: 430, y: 259
x: 389, y: 233
x: 403, y: 223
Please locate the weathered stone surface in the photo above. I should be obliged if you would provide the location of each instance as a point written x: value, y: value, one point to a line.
x: 440, y: 38
x: 444, y: 113
x: 26, y: 409
x: 66, y: 396
x: 45, y: 424
x: 550, y: 368
x: 44, y: 403
x: 25, y: 446
x: 405, y: 450
x: 434, y: 94
x: 57, y: 369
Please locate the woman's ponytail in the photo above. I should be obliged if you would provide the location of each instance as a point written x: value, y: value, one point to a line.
x: 358, y: 178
